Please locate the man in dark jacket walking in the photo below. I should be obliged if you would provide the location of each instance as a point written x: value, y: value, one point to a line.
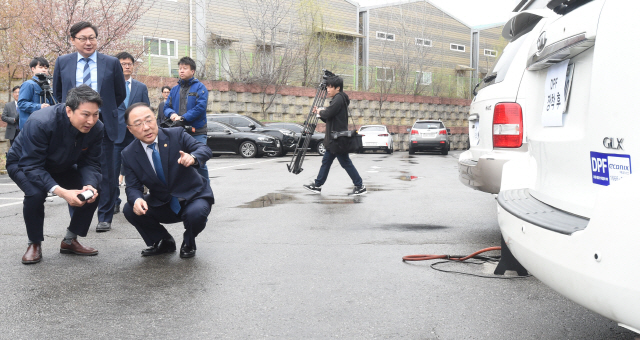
x: 336, y: 115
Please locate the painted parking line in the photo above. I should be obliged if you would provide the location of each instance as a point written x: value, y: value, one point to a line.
x: 243, y: 164
x: 7, y: 184
x: 10, y: 198
x: 8, y: 204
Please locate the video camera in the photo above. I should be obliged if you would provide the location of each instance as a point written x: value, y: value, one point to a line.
x: 44, y: 81
x: 326, y: 75
x: 167, y: 123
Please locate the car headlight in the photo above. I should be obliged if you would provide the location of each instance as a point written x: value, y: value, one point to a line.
x: 265, y: 139
x: 287, y: 133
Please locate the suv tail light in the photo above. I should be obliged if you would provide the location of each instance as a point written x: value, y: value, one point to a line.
x: 414, y: 132
x: 507, y: 125
x: 442, y: 132
x: 383, y: 135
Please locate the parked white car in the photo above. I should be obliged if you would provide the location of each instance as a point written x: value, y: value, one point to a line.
x: 496, y: 131
x: 568, y: 210
x: 376, y: 137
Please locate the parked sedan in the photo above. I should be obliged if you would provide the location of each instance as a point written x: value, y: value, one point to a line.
x: 248, y: 124
x: 225, y: 139
x: 429, y: 135
x: 376, y: 137
x: 317, y: 139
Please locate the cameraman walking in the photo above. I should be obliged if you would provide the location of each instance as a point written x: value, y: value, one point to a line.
x: 32, y: 98
x: 336, y: 117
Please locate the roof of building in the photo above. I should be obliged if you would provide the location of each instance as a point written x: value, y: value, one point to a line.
x: 403, y: 2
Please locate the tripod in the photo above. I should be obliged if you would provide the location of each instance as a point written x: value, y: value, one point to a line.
x: 295, y: 166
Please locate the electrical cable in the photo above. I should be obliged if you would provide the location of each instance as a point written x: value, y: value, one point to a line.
x: 461, y: 259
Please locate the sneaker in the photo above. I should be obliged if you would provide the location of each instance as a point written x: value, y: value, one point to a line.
x: 361, y: 190
x: 313, y: 188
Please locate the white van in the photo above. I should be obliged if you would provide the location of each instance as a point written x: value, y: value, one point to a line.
x: 570, y: 209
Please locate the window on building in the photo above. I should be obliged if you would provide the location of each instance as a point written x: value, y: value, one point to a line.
x: 490, y: 53
x: 423, y: 42
x: 385, y: 36
x: 423, y: 78
x: 456, y: 47
x: 161, y: 47
x: 384, y: 74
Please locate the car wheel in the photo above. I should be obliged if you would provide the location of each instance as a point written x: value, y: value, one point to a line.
x: 248, y: 149
x: 321, y: 149
x: 411, y: 151
x: 282, y: 153
x: 390, y: 149
x: 445, y: 151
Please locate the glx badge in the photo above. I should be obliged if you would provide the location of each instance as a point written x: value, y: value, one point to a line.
x: 613, y: 143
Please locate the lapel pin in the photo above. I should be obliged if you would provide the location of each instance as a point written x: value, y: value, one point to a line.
x: 165, y: 145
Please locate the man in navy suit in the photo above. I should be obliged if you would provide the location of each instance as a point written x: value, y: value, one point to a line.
x: 136, y: 93
x: 104, y: 75
x: 166, y: 162
x: 58, y: 151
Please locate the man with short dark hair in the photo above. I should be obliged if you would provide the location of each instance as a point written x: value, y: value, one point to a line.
x: 32, y: 98
x: 163, y: 160
x: 188, y: 103
x: 58, y: 151
x: 104, y: 75
x: 136, y: 93
x: 336, y: 115
x: 11, y: 117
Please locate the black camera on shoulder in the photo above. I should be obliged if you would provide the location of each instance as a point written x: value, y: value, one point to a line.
x: 167, y: 123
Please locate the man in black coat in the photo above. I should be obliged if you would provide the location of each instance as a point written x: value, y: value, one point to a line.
x: 58, y: 151
x: 11, y: 117
x: 166, y: 162
x: 336, y: 115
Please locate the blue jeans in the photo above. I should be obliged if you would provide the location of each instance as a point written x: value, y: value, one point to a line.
x: 202, y: 169
x: 346, y: 164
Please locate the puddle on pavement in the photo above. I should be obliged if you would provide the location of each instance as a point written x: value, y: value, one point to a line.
x: 375, y: 188
x: 244, y: 169
x: 268, y: 200
x: 350, y: 200
x: 413, y: 227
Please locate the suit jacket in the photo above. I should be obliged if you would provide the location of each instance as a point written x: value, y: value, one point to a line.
x: 50, y: 144
x: 182, y: 182
x: 139, y: 93
x: 111, y: 86
x: 10, y: 116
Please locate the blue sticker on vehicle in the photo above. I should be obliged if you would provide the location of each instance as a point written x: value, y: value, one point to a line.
x: 607, y: 168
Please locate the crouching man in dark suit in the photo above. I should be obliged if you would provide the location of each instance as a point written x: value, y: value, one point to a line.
x: 58, y: 151
x: 165, y: 161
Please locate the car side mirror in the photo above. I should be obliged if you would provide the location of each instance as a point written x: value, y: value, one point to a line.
x: 408, y: 129
x: 448, y: 131
x: 227, y: 131
x: 252, y: 126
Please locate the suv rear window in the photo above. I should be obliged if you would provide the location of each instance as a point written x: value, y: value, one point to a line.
x: 372, y: 128
x: 428, y: 125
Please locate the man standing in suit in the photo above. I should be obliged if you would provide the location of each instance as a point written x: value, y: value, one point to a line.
x: 104, y: 75
x: 11, y: 117
x: 136, y: 93
x: 165, y: 161
x: 58, y: 151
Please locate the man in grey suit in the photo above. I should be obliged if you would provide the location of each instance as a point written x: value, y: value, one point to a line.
x: 11, y: 117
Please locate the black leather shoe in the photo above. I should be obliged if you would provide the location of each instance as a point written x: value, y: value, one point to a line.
x: 160, y: 247
x: 116, y: 209
x: 187, y: 251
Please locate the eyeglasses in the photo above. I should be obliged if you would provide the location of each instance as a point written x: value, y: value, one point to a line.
x: 126, y: 64
x: 84, y: 39
x: 148, y: 122
x: 167, y: 91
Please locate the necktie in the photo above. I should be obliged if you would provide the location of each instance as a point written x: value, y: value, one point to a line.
x: 86, y: 73
x: 174, y: 203
x: 126, y: 99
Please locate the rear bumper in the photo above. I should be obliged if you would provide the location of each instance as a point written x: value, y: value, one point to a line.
x: 428, y: 145
x: 485, y: 174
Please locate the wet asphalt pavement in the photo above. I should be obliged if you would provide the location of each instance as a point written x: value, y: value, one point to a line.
x: 276, y: 261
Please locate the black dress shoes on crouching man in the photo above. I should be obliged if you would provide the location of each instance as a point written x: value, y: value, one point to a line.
x: 187, y: 251
x: 163, y: 246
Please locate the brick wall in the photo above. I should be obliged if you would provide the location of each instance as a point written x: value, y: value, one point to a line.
x: 293, y: 104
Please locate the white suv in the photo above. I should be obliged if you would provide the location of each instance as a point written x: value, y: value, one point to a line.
x: 570, y: 210
x: 496, y: 131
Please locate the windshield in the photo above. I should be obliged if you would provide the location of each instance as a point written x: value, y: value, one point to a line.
x: 428, y: 125
x: 373, y: 128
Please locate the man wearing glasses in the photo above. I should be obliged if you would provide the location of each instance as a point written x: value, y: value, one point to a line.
x: 104, y: 75
x: 166, y: 162
x: 136, y: 93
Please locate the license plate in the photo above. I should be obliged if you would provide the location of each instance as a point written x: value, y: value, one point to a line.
x: 428, y: 135
x: 370, y: 144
